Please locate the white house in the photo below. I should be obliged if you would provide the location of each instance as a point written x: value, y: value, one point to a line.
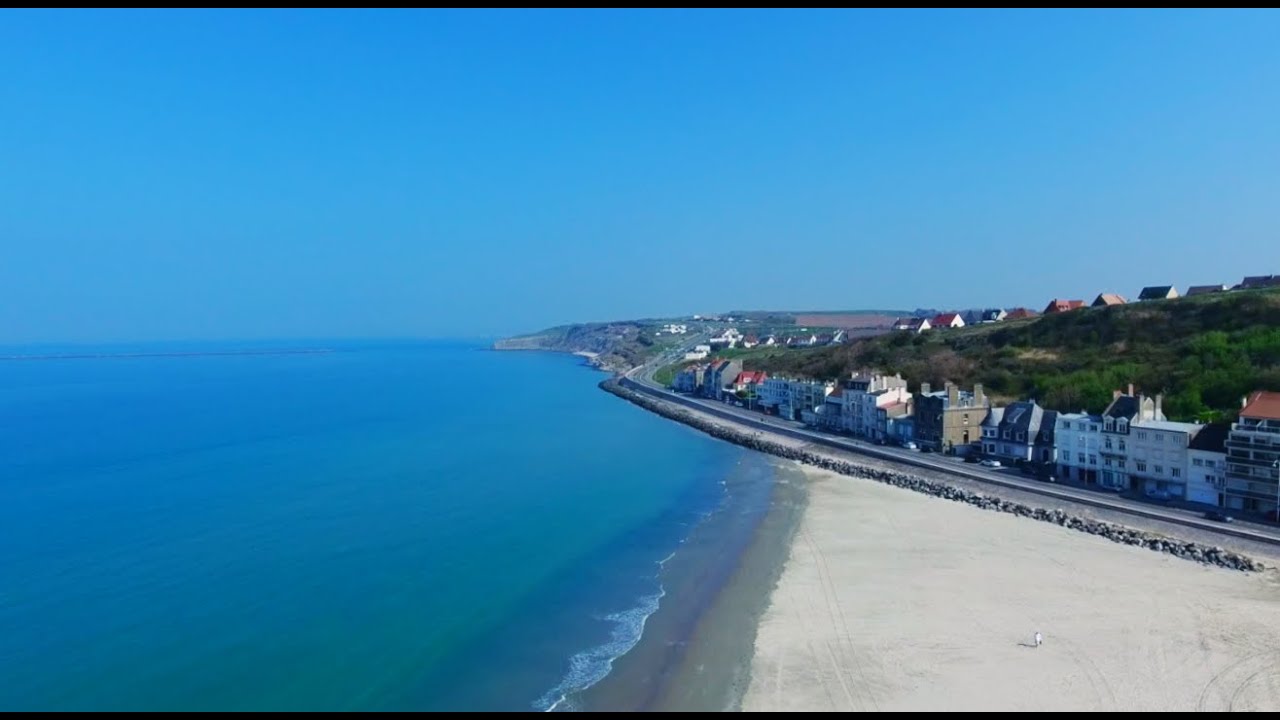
x: 948, y: 320
x: 1207, y: 474
x: 912, y: 324
x: 864, y: 395
x: 1077, y: 438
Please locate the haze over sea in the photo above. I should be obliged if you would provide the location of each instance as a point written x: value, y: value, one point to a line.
x: 384, y: 526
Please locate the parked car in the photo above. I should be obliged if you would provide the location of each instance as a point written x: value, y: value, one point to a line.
x: 1218, y: 516
x: 971, y: 458
x: 910, y: 445
x: 990, y: 463
x: 1159, y: 495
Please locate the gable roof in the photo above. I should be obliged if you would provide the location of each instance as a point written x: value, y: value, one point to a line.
x: 946, y: 319
x: 1125, y: 406
x: 1056, y: 305
x: 1021, y: 314
x: 1212, y: 437
x: 994, y: 314
x: 1205, y: 289
x: 1156, y: 292
x: 1109, y: 299
x: 1259, y: 281
x: 1262, y: 404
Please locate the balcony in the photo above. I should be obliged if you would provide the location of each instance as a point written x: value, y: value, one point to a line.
x: 1253, y: 462
x: 1236, y: 441
x: 1236, y: 486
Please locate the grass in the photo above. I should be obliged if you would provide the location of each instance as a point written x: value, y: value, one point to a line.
x: 1203, y: 353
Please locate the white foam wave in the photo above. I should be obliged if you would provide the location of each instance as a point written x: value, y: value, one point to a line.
x: 590, y: 666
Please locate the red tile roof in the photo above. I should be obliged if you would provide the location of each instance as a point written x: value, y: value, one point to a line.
x: 752, y: 376
x: 1021, y: 313
x: 1063, y: 305
x: 1262, y: 404
x: 944, y: 319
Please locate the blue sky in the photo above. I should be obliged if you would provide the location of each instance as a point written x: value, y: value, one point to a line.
x: 193, y: 175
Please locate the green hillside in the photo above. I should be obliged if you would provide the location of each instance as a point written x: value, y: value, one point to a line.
x: 1204, y: 353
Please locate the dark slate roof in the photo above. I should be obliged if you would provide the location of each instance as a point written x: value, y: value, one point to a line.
x: 1212, y: 437
x: 1125, y: 406
x: 1027, y: 417
x: 1048, y: 427
x: 1155, y: 292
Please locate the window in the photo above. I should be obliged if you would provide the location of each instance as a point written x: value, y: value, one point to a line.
x: 1122, y: 445
x: 1106, y: 462
x: 1159, y: 437
x: 1108, y: 443
x: 1159, y: 469
x: 1142, y: 467
x: 1093, y: 428
x: 1022, y: 437
x: 1081, y: 457
x: 1122, y: 464
x: 1093, y: 459
x: 1142, y: 434
x: 1176, y: 472
x: 1198, y: 462
x: 1066, y: 426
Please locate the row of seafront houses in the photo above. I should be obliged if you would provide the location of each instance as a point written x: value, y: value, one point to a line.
x: 1155, y: 292
x: 1129, y: 446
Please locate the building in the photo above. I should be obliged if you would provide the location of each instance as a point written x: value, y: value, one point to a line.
x: 1258, y: 282
x: 863, y: 395
x: 773, y: 393
x: 950, y: 418
x: 1108, y: 299
x: 1057, y: 306
x: 1207, y: 473
x: 675, y: 329
x: 807, y: 395
x: 718, y: 376
x: 1158, y: 292
x: 948, y: 320
x: 1159, y: 456
x: 1021, y: 314
x: 1118, y: 420
x: 1022, y: 431
x: 750, y: 341
x: 994, y: 315
x: 971, y: 317
x: 696, y: 355
x: 892, y: 421
x: 689, y: 380
x: 1253, y: 451
x: 828, y: 415
x: 1205, y: 289
x: 749, y: 379
x: 1077, y: 438
x: 912, y: 324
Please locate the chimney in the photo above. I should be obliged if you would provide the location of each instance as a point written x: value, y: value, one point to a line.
x: 1115, y: 394
x: 1159, y: 401
x: 1131, y: 389
x: 979, y: 398
x: 953, y: 394
x: 924, y: 388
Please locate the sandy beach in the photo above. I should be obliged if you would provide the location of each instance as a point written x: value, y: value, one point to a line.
x: 892, y: 600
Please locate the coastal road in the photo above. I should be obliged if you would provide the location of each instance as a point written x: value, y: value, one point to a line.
x: 641, y: 379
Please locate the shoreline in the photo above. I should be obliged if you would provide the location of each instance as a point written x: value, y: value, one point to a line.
x: 893, y: 601
x: 799, y: 451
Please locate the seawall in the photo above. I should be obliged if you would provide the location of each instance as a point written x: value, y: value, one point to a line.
x: 1117, y: 533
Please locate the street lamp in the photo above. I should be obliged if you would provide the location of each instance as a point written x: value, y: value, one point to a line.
x: 1276, y: 466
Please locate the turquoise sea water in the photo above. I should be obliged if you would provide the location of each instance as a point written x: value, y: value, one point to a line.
x: 392, y: 526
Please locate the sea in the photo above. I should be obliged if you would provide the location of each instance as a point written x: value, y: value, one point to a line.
x: 370, y: 526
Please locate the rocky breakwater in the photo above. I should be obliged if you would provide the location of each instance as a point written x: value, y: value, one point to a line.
x: 1116, y: 533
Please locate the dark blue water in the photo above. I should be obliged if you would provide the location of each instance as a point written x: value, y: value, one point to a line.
x: 424, y: 526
